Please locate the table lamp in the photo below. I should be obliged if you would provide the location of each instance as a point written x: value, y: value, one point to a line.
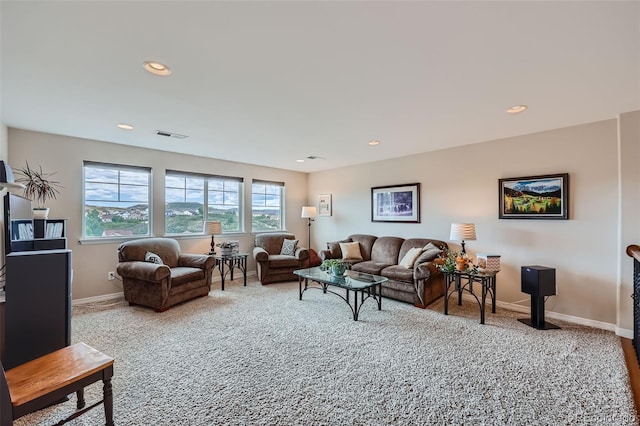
x: 212, y: 228
x: 309, y: 212
x: 463, y: 231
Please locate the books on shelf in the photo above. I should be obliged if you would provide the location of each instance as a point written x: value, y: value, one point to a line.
x: 25, y: 231
x: 54, y: 230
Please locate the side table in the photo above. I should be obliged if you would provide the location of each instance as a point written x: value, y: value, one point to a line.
x: 226, y: 263
x: 464, y: 281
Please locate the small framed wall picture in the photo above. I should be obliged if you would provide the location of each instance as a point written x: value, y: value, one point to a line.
x: 324, y: 205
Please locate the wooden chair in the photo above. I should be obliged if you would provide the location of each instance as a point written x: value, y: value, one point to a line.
x: 49, y: 379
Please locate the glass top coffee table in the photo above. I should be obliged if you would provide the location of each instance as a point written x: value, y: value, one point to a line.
x: 369, y: 286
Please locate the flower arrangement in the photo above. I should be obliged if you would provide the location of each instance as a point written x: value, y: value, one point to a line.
x: 225, y: 245
x: 452, y: 261
x: 335, y: 267
x: 332, y: 262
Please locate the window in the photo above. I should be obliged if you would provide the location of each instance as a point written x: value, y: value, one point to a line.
x: 267, y: 205
x: 116, y: 200
x: 186, y: 194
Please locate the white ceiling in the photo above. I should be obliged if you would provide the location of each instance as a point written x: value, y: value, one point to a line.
x: 271, y: 82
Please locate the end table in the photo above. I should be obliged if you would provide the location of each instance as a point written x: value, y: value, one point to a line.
x: 226, y: 263
x: 486, y: 279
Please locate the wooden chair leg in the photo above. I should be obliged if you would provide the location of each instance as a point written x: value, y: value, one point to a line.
x: 108, y: 402
x: 81, y: 403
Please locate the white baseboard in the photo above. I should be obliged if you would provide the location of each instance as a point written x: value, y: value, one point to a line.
x: 623, y: 332
x: 95, y: 299
x: 120, y: 295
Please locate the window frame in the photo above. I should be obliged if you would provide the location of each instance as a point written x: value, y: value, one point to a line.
x: 282, y: 204
x: 118, y: 168
x: 206, y: 178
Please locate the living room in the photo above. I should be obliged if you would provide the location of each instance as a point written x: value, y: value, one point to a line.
x: 457, y: 183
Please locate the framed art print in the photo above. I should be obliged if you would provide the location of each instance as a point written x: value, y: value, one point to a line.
x: 397, y: 203
x: 324, y: 205
x: 534, y: 197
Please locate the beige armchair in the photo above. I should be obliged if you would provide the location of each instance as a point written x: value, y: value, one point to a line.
x: 274, y: 266
x: 155, y: 274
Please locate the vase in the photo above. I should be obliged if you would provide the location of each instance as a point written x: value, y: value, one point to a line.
x: 226, y: 251
x: 40, y: 212
x: 461, y: 264
x: 338, y: 270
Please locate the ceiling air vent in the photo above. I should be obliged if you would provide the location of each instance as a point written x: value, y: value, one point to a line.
x: 315, y: 157
x: 170, y: 135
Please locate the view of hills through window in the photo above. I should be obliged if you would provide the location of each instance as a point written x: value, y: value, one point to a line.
x: 180, y: 218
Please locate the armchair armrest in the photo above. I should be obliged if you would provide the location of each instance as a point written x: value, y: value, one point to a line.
x: 146, y: 271
x: 301, y: 253
x: 200, y: 261
x: 260, y: 254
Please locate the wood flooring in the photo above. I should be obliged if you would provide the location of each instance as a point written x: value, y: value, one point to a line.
x: 634, y: 370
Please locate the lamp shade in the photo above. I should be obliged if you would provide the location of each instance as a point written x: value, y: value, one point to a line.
x: 462, y: 231
x: 309, y: 212
x: 213, y: 228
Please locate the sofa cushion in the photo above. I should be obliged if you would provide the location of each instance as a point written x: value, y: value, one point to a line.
x: 409, y: 258
x: 283, y: 261
x: 334, y: 247
x: 387, y: 250
x: 398, y: 273
x: 370, y: 267
x: 167, y: 248
x: 182, y: 274
x: 289, y: 247
x: 272, y: 241
x: 366, y: 244
x: 350, y: 251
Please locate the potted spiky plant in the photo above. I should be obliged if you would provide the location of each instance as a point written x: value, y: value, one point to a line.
x: 39, y: 188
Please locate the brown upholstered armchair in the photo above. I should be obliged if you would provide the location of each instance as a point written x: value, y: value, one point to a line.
x: 161, y: 284
x: 274, y: 266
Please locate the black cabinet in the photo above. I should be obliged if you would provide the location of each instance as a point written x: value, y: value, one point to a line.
x: 37, y: 308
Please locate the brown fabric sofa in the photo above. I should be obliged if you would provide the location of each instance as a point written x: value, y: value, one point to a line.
x: 181, y: 276
x: 271, y: 265
x: 420, y: 285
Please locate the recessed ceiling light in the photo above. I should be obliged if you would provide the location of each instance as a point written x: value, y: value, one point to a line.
x: 156, y: 68
x: 516, y: 109
x: 124, y: 126
x: 374, y: 143
x: 300, y: 161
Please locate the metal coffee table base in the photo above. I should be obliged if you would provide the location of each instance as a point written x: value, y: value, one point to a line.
x: 374, y: 292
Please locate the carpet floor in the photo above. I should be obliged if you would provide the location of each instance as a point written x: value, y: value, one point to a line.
x: 256, y: 355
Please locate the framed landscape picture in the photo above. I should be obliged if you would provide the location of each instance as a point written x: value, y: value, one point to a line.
x: 534, y: 197
x: 397, y: 203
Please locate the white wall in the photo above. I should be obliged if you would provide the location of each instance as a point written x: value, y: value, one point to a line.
x: 629, y: 231
x: 91, y: 262
x: 461, y: 185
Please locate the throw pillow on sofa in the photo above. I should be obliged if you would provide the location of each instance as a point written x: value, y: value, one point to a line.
x: 152, y: 258
x: 289, y: 247
x: 351, y: 251
x: 429, y: 253
x: 410, y: 257
x: 334, y: 247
